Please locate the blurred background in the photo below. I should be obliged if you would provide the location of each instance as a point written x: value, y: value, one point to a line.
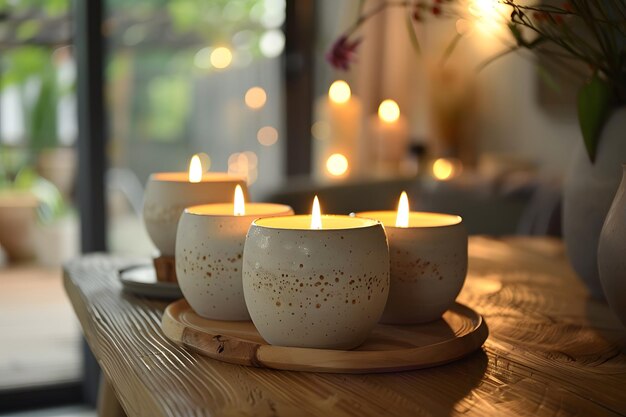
x: 86, y: 115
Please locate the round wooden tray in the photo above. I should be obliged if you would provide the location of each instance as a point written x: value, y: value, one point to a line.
x: 389, y: 348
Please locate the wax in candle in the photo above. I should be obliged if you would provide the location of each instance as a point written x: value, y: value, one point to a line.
x: 316, y: 282
x: 336, y: 145
x: 168, y: 193
x: 428, y: 262
x: 390, y: 136
x: 209, y: 252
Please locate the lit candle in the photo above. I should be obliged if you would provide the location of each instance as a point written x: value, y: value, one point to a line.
x: 428, y: 255
x: 390, y: 136
x: 209, y: 252
x: 168, y: 193
x: 317, y: 281
x: 336, y: 133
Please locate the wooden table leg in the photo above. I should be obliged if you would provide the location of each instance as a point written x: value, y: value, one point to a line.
x: 108, y: 405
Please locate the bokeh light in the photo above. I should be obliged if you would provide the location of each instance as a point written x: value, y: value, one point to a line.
x: 339, y: 92
x: 337, y: 165
x: 221, y: 57
x: 445, y: 169
x: 245, y: 165
x: 267, y: 135
x: 389, y: 111
x: 202, y: 58
x: 272, y: 43
x: 320, y: 130
x: 255, y: 97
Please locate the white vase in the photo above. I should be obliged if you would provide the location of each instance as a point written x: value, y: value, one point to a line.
x: 588, y: 193
x: 612, y: 251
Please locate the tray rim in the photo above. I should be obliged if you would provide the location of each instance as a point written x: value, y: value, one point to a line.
x: 159, y: 290
x: 255, y: 354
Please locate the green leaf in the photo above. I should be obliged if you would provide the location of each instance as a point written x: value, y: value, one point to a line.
x: 594, y: 104
x: 28, y: 30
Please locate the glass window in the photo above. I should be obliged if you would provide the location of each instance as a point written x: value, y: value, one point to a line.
x: 186, y: 77
x: 38, y: 220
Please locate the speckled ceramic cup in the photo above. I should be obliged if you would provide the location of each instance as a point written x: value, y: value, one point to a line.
x: 316, y: 288
x: 209, y: 251
x: 428, y: 265
x: 169, y: 193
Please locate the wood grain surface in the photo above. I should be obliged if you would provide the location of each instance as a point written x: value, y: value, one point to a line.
x: 389, y: 348
x: 552, y: 351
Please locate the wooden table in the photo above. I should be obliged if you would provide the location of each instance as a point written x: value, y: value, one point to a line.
x: 552, y: 352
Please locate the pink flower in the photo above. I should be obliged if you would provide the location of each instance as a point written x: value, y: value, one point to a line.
x: 343, y: 52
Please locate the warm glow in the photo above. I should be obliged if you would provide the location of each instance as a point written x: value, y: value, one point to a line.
x: 339, y: 92
x: 402, y: 218
x: 483, y: 8
x: 255, y: 98
x: 267, y: 135
x: 444, y: 169
x: 195, y: 169
x: 316, y: 215
x: 389, y: 111
x: 389, y: 218
x: 239, y: 207
x: 244, y: 164
x: 487, y: 15
x: 221, y: 57
x: 337, y: 165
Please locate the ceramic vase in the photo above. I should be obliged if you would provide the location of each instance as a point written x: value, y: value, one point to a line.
x: 588, y: 193
x: 18, y: 223
x: 612, y: 253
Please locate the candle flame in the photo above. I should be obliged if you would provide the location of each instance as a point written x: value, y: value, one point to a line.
x: 239, y: 207
x: 389, y: 111
x: 316, y: 215
x: 195, y: 169
x: 339, y: 92
x: 402, y: 218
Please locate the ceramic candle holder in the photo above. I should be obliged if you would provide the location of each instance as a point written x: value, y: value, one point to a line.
x: 209, y: 251
x: 169, y: 193
x: 428, y: 265
x: 316, y: 288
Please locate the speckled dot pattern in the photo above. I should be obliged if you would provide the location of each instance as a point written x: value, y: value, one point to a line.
x: 209, y: 253
x: 316, y: 288
x: 164, y: 202
x: 428, y: 267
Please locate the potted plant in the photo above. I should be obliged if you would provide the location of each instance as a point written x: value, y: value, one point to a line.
x: 35, y: 220
x: 31, y: 69
x: 591, y: 32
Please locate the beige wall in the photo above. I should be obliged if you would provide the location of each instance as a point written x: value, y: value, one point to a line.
x: 509, y: 117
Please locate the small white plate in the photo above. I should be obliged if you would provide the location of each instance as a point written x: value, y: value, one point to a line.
x: 141, y: 280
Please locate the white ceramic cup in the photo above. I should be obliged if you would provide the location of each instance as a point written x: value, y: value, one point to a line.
x: 169, y: 193
x: 209, y: 251
x: 316, y: 288
x: 428, y: 265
